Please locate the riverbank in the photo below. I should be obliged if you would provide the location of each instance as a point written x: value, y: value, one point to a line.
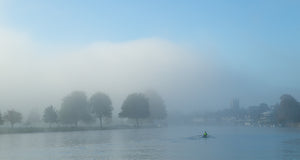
x: 8, y: 130
x: 5, y: 130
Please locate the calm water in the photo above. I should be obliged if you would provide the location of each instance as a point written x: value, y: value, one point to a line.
x: 173, y: 143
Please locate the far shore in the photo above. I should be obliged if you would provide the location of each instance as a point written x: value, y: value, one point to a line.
x: 16, y: 130
x: 31, y: 129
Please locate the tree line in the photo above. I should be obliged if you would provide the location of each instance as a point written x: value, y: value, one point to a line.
x: 77, y: 107
x: 284, y: 113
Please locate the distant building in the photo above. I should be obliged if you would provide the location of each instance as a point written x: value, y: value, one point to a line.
x: 266, y: 117
x: 235, y: 104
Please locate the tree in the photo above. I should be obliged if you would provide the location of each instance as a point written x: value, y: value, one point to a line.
x: 33, y: 117
x: 101, y: 106
x: 157, y: 106
x: 74, y: 108
x: 288, y: 110
x: 50, y: 115
x: 13, y: 117
x: 1, y: 119
x: 135, y: 106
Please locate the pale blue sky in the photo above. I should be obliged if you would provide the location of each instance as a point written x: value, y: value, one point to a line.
x: 258, y: 38
x: 271, y: 22
x: 234, y: 27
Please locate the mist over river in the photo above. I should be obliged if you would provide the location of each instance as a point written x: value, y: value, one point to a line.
x: 172, y: 143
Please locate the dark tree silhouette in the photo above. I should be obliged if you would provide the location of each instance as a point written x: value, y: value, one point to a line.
x: 50, y: 115
x: 288, y: 110
x: 157, y: 106
x: 13, y: 117
x: 33, y: 117
x: 135, y: 106
x: 101, y: 106
x: 1, y: 119
x: 74, y: 108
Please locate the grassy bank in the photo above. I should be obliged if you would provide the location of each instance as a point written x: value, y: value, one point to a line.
x: 52, y: 129
x: 8, y: 130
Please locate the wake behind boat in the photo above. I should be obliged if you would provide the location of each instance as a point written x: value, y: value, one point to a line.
x: 199, y: 137
x: 204, y: 135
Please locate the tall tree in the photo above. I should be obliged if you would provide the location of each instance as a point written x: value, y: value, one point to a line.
x: 74, y: 108
x: 33, y: 117
x: 101, y: 106
x: 50, y: 115
x: 1, y: 119
x: 135, y: 106
x: 13, y: 117
x: 157, y: 105
x: 289, y: 109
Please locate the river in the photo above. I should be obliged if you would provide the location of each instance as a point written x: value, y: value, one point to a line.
x: 172, y: 143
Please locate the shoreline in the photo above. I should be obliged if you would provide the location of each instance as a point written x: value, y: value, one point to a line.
x: 20, y: 130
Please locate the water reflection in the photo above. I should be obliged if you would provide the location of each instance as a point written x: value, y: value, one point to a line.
x: 138, y: 144
x: 291, y: 149
x: 149, y: 144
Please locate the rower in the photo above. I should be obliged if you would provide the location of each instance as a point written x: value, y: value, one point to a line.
x: 205, y: 134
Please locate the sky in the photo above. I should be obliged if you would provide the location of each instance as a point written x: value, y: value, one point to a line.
x: 197, y: 54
